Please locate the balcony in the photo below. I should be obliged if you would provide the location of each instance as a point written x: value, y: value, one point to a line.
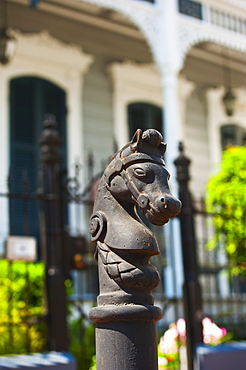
x: 230, y: 18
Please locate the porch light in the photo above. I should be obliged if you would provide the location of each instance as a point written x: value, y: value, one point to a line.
x: 229, y: 100
x: 7, y: 46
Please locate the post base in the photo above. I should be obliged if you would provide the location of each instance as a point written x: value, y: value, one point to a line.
x: 126, y: 336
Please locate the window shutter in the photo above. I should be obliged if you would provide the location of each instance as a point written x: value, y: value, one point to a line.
x: 144, y: 116
x: 30, y: 99
x: 231, y: 135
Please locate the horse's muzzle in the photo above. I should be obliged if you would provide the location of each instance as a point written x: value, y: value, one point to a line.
x: 162, y: 209
x: 168, y: 205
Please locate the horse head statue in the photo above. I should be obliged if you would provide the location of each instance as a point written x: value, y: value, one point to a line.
x: 135, y: 180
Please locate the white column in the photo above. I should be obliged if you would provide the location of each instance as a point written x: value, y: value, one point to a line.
x: 215, y: 118
x: 173, y: 134
x: 223, y: 276
x: 169, y: 65
x: 172, y: 122
x: 75, y: 143
x: 185, y: 89
x: 4, y: 156
x: 74, y: 119
x: 121, y: 133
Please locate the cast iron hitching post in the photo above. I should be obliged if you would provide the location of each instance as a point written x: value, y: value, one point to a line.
x: 126, y: 331
x: 191, y: 288
x: 53, y: 238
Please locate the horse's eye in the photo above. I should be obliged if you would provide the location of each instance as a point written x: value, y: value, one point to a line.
x: 139, y: 172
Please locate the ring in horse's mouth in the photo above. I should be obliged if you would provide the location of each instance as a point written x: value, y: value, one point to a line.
x: 156, y: 217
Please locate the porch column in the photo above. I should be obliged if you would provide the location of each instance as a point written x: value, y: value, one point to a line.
x: 75, y: 134
x: 4, y: 156
x: 169, y: 66
x: 215, y: 118
x: 76, y: 155
x: 172, y: 134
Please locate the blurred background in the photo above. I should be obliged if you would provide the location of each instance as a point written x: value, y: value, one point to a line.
x: 104, y: 68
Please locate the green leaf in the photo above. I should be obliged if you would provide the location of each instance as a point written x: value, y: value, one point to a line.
x: 226, y: 200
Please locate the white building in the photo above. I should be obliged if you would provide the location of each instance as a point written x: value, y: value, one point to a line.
x: 106, y: 67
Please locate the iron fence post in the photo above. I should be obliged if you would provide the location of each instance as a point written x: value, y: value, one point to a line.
x: 192, y: 296
x: 52, y: 248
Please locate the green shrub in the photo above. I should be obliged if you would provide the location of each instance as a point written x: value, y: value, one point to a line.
x: 22, y: 323
x: 21, y: 307
x: 226, y: 200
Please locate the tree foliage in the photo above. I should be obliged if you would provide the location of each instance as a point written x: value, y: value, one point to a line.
x: 21, y: 307
x: 226, y: 199
x: 22, y: 310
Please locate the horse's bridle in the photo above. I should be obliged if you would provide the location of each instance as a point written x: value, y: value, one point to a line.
x: 118, y: 167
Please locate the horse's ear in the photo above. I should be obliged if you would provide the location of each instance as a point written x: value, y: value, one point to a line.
x: 162, y: 148
x: 137, y: 142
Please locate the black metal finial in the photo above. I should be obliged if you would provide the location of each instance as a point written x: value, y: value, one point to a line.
x: 182, y: 164
x: 181, y: 147
x: 50, y: 120
x: 90, y: 164
x: 50, y: 140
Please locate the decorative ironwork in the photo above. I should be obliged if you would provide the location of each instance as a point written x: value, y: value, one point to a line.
x: 135, y: 177
x: 60, y: 252
x: 191, y: 288
x: 73, y: 183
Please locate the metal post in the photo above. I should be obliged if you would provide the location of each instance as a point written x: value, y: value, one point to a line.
x: 191, y: 289
x: 52, y: 248
x: 126, y: 332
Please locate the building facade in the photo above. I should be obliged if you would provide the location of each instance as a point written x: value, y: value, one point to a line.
x: 105, y: 67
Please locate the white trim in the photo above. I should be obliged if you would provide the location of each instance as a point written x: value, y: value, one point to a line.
x: 146, y: 16
x: 41, y: 55
x: 192, y: 32
x: 238, y: 3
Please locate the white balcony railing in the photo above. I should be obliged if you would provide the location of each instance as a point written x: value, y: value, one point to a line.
x: 229, y: 21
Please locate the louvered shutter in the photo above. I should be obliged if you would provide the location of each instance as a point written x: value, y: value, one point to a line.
x: 30, y: 99
x: 231, y: 135
x: 144, y: 116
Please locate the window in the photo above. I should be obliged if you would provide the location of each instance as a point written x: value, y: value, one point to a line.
x: 144, y: 116
x: 30, y: 99
x: 232, y: 134
x: 191, y: 8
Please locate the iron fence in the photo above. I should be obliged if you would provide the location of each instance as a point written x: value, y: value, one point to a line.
x: 37, y: 295
x: 224, y: 296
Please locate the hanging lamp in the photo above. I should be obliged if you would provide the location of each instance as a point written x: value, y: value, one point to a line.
x: 8, y: 43
x: 229, y: 98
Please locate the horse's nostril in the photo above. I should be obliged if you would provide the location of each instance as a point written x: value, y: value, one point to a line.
x: 163, y: 201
